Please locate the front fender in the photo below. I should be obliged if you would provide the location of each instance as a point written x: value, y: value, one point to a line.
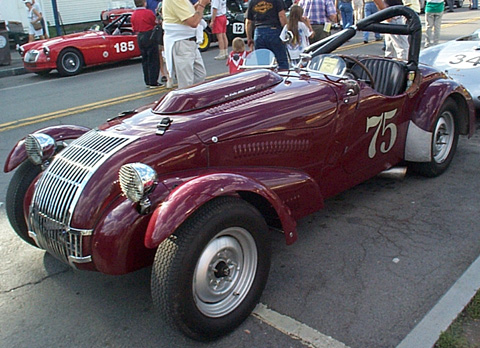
x: 18, y: 154
x: 185, y: 199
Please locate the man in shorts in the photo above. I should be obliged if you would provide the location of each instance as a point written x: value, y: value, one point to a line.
x: 218, y: 23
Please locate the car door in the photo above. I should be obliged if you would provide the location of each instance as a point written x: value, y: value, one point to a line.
x: 377, y: 134
x: 122, y: 47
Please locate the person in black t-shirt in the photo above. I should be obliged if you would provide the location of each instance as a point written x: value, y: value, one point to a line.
x: 265, y: 20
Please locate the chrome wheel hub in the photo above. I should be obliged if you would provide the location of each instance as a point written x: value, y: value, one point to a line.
x: 443, y: 137
x: 225, y: 272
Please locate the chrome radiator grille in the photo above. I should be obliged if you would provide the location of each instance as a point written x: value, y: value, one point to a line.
x: 59, y: 190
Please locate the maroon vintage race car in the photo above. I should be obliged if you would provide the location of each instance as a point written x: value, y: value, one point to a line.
x: 69, y: 54
x: 196, y: 183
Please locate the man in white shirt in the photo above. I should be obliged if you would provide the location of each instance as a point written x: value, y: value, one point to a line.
x: 181, y: 22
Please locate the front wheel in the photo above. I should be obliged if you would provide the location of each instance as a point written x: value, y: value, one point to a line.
x: 208, y: 277
x: 69, y: 62
x: 21, y: 181
x: 444, y: 142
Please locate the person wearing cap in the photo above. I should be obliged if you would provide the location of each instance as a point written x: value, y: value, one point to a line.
x: 35, y: 18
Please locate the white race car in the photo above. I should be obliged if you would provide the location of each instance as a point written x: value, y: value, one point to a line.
x: 460, y: 59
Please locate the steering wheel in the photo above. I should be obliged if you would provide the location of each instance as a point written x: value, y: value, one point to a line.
x: 361, y: 65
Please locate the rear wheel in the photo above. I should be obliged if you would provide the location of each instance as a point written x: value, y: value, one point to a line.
x: 21, y: 180
x: 208, y: 277
x: 70, y: 62
x: 444, y: 142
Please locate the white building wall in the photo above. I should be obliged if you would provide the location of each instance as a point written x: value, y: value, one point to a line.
x: 80, y: 11
x: 70, y: 11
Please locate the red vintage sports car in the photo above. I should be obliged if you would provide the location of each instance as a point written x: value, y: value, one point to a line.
x: 69, y: 54
x: 196, y: 183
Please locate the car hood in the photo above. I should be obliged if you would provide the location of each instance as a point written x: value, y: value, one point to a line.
x: 175, y: 135
x: 60, y: 39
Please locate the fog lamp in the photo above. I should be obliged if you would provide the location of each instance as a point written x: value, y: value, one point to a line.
x: 137, y: 181
x: 40, y: 147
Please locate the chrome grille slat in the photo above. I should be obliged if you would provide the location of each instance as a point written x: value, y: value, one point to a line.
x: 59, y: 190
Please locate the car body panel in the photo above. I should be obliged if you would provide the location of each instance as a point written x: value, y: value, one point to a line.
x: 460, y: 59
x: 284, y: 141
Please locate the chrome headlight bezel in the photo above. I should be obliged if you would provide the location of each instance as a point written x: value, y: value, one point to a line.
x: 40, y: 147
x: 31, y: 56
x: 137, y: 181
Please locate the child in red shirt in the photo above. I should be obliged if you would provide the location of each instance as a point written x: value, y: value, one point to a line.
x: 236, y: 58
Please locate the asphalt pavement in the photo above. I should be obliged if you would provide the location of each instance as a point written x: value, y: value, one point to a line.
x: 428, y: 329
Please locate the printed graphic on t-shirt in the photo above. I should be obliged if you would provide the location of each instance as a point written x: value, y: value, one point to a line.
x: 262, y: 7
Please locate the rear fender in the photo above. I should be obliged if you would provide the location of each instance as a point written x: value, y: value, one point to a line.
x: 419, y: 135
x: 18, y: 154
x: 187, y: 198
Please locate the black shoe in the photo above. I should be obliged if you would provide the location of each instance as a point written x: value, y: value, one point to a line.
x: 450, y: 10
x: 157, y: 85
x: 365, y: 41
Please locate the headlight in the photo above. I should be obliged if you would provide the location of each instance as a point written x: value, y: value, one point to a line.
x: 137, y: 181
x: 40, y: 147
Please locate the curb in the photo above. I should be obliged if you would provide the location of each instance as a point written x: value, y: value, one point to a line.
x: 12, y: 72
x: 444, y: 313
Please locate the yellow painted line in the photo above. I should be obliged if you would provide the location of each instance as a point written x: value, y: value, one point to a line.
x: 83, y: 108
x: 448, y: 25
x: 75, y: 110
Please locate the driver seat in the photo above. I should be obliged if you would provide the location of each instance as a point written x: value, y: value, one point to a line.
x: 390, y: 76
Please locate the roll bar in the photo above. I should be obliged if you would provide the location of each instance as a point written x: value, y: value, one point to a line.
x: 412, y: 28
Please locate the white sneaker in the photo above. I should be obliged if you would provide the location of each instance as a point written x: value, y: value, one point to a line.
x: 221, y: 57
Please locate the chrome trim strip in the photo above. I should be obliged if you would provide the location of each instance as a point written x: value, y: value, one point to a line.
x: 33, y: 235
x: 72, y: 260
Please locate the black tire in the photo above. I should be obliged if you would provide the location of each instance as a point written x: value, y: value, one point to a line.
x: 21, y: 180
x: 43, y: 73
x: 227, y: 240
x: 70, y: 62
x: 444, y: 142
x: 206, y: 42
